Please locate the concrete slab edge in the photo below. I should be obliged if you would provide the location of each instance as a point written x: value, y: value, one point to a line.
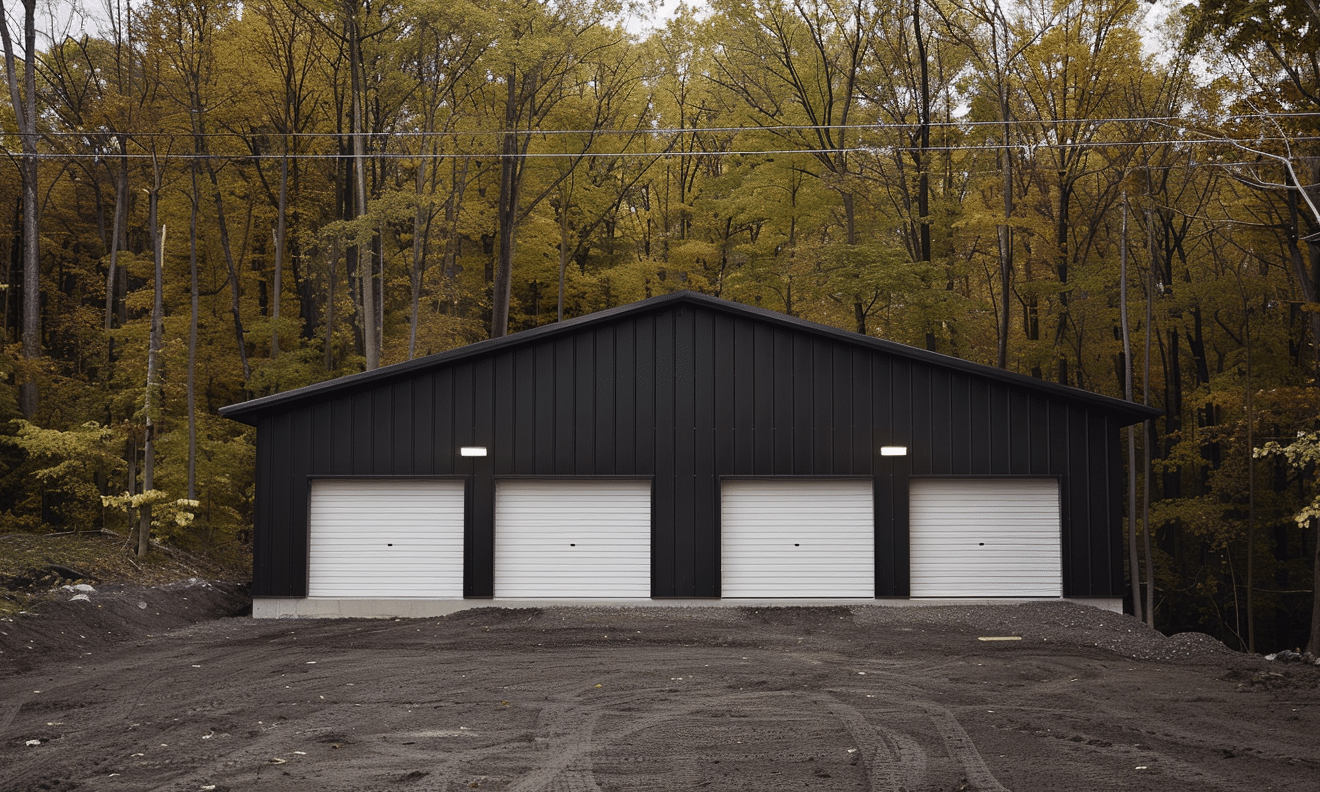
x: 367, y: 608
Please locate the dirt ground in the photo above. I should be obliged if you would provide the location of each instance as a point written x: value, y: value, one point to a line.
x: 146, y: 689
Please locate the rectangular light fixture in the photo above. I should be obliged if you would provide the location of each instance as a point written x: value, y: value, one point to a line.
x: 893, y: 451
x: 472, y: 451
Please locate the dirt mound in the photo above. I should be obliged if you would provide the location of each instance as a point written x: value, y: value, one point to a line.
x: 77, y: 620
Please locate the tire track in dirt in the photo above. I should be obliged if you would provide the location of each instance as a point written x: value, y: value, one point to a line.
x: 957, y: 744
x: 9, y: 712
x: 962, y: 749
x: 569, y: 732
x: 573, y: 735
x: 890, y: 770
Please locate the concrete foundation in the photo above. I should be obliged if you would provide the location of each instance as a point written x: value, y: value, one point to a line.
x: 333, y: 608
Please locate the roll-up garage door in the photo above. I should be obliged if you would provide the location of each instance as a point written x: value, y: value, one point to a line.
x: 797, y: 538
x: 386, y: 538
x: 985, y: 538
x: 573, y: 538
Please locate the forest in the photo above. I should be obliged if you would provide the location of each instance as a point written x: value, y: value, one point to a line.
x: 204, y: 201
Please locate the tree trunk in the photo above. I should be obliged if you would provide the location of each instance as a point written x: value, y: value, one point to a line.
x: 235, y: 293
x: 1061, y: 242
x: 121, y: 209
x: 508, y: 215
x: 1134, y: 567
x: 280, y: 232
x: 370, y: 337
x: 192, y: 340
x: 564, y: 199
x: 25, y: 112
x: 153, y: 350
x: 1005, y: 231
x: 131, y: 481
x: 1251, y: 490
x: 923, y: 141
x: 1149, y: 429
x: 330, y: 306
x: 419, y: 219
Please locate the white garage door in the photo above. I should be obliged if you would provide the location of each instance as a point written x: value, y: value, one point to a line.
x: 985, y: 538
x: 573, y: 538
x: 386, y: 538
x: 797, y: 538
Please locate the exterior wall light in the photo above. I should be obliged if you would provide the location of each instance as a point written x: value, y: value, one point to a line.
x: 472, y: 451
x: 893, y: 451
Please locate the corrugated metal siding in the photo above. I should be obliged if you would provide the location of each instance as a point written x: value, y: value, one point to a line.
x: 386, y: 538
x: 798, y: 538
x: 688, y: 395
x: 568, y: 538
x: 985, y: 538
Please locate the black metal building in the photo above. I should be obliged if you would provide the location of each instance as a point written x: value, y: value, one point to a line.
x: 695, y: 400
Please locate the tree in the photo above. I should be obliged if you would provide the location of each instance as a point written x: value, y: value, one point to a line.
x: 151, y: 401
x: 538, y: 61
x: 795, y: 68
x: 1303, y: 456
x: 183, y: 34
x: 984, y: 30
x: 1274, y: 45
x: 1072, y: 78
x: 24, y: 103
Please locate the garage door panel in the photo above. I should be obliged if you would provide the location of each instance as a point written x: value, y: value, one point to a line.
x: 392, y: 538
x: 985, y: 538
x: 573, y: 538
x: 797, y: 538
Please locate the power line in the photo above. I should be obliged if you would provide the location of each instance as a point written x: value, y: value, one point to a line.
x: 1177, y: 121
x: 1028, y: 150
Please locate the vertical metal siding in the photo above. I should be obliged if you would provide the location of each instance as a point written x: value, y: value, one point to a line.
x: 624, y: 385
x: 601, y: 417
x: 689, y: 397
x: 423, y: 423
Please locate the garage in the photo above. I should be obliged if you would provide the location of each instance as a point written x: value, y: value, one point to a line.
x: 797, y: 538
x: 989, y: 537
x: 683, y: 448
x: 573, y: 538
x: 392, y: 538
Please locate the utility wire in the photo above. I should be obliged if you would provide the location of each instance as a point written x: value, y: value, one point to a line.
x: 879, y: 126
x: 1028, y: 150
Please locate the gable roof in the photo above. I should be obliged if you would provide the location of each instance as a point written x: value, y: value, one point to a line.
x: 249, y: 411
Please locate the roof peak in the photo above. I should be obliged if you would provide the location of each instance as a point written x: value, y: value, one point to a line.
x: 248, y: 410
